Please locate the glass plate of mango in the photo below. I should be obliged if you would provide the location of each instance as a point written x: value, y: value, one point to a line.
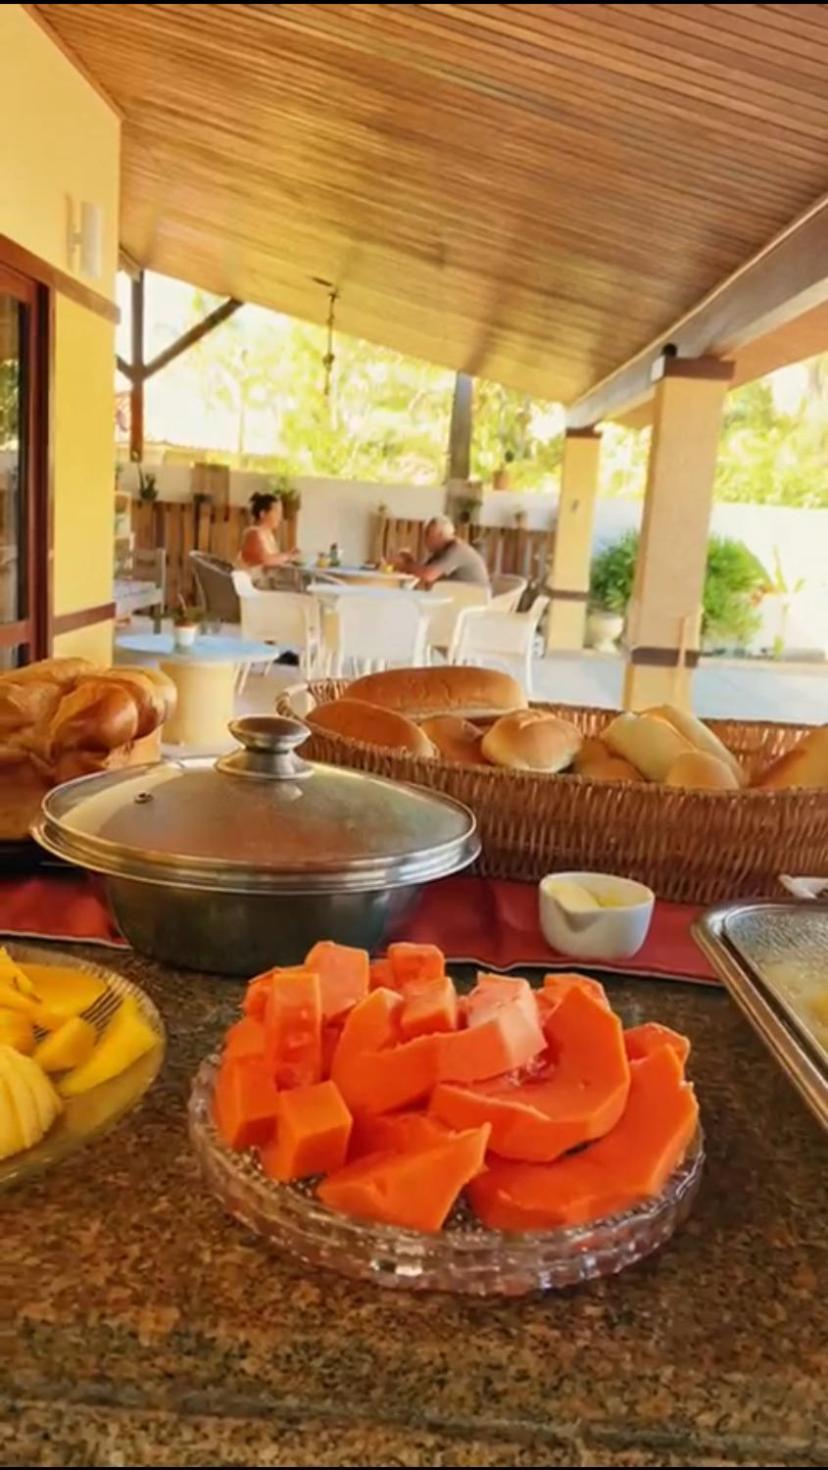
x: 79, y: 1047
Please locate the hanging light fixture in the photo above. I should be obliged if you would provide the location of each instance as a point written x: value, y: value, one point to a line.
x: 330, y: 357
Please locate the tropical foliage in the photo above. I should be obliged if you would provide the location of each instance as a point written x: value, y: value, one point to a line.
x: 252, y: 393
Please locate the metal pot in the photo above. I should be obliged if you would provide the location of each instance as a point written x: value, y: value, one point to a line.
x: 240, y: 864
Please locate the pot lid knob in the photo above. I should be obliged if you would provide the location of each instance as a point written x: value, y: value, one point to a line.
x: 268, y: 749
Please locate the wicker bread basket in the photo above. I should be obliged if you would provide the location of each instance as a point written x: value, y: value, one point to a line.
x: 692, y: 847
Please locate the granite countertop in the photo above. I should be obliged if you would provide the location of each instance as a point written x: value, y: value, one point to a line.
x: 141, y: 1327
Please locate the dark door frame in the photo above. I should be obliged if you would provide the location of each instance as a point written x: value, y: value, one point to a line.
x: 32, y: 633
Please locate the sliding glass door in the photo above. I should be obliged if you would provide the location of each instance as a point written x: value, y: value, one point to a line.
x: 24, y: 530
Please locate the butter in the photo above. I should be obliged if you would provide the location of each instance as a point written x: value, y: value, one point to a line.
x: 572, y: 896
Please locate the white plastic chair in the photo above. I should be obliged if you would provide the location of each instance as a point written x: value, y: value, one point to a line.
x: 443, y: 620
x: 485, y: 633
x: 507, y: 590
x: 287, y: 619
x: 375, y: 632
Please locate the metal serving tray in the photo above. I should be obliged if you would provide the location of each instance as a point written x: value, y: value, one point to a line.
x: 773, y: 959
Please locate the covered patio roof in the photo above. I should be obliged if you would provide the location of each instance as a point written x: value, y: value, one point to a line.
x: 537, y: 194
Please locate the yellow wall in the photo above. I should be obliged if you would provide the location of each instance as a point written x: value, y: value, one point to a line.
x: 61, y: 144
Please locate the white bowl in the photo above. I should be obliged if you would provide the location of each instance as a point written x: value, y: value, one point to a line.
x: 597, y: 934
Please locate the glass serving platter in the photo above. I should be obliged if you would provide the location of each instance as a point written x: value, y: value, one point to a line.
x: 93, y: 1113
x: 463, y: 1258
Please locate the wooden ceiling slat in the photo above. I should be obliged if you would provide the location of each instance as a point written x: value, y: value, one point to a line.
x: 529, y: 192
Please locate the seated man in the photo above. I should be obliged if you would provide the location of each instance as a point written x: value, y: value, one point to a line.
x: 448, y: 560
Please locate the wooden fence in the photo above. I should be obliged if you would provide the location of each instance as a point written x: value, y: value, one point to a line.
x: 512, y: 550
x: 181, y: 526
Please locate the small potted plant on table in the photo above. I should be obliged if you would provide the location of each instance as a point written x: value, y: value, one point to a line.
x: 186, y: 624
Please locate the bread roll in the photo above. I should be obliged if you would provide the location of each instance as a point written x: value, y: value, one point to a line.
x: 420, y: 693
x: 62, y: 671
x: 699, y: 736
x: 649, y: 744
x: 25, y: 705
x: 611, y: 768
x: 698, y: 771
x: 455, y: 739
x: 99, y: 715
x: 166, y: 687
x: 593, y: 752
x: 805, y: 765
x: 150, y: 701
x: 358, y: 720
x: 531, y: 740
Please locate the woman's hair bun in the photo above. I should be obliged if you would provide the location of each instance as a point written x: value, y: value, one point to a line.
x: 261, y: 501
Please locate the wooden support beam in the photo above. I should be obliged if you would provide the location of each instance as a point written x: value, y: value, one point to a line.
x: 787, y: 279
x: 136, y: 397
x: 190, y: 337
x: 460, y: 428
x: 568, y: 584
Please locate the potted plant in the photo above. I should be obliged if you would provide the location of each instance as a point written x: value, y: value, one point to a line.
x: 610, y: 588
x: 147, y: 485
x: 734, y: 581
x: 186, y: 623
x: 290, y: 497
x: 501, y: 479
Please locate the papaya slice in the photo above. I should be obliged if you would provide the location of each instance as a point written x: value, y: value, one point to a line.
x: 343, y: 976
x: 502, y: 1032
x: 329, y: 1041
x: 380, y: 976
x: 293, y: 1028
x: 374, y: 1073
x: 255, y: 996
x: 245, y: 1039
x: 414, y: 1190
x: 632, y: 1162
x: 395, y: 1133
x: 245, y: 1103
x: 432, y: 1008
x: 313, y: 1127
x: 642, y: 1041
x: 415, y: 964
x: 572, y: 1101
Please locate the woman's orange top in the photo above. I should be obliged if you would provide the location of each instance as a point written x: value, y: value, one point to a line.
x: 258, y: 545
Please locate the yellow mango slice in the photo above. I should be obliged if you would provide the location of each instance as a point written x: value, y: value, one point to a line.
x: 127, y: 1037
x: 70, y: 1045
x: 28, y: 1076
x: 16, y: 1030
x: 23, y: 1101
x: 63, y: 992
x: 13, y: 974
x: 12, y: 999
x: 11, y: 1135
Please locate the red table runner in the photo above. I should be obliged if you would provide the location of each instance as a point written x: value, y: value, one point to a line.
x: 473, y: 920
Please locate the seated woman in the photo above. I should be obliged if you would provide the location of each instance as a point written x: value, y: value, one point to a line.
x: 259, y: 550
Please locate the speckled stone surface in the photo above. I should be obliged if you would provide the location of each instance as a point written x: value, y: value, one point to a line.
x: 141, y: 1327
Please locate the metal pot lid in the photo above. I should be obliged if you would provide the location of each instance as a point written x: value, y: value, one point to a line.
x: 258, y: 820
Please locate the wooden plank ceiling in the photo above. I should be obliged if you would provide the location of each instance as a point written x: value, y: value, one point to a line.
x: 530, y: 193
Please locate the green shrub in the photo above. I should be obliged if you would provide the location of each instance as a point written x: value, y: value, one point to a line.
x: 612, y: 572
x: 733, y: 585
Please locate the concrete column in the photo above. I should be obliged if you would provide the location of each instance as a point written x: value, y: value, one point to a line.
x: 664, y: 617
x: 568, y: 584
